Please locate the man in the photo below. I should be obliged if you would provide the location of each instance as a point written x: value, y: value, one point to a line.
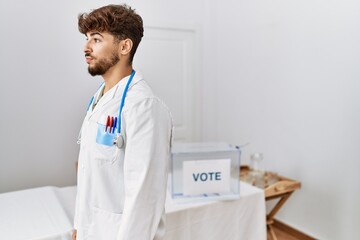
x: 122, y: 174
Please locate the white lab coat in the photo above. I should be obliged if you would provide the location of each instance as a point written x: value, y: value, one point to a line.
x: 121, y: 192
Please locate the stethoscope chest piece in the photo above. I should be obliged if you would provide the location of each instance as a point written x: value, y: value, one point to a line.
x: 119, y: 142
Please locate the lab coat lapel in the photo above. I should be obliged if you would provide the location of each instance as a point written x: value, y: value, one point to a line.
x: 112, y: 92
x: 105, y: 99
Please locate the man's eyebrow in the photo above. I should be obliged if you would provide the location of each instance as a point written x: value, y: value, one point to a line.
x: 95, y: 33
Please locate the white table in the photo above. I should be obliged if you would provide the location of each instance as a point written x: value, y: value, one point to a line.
x: 47, y: 214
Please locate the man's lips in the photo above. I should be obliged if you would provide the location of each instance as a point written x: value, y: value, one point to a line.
x: 88, y: 59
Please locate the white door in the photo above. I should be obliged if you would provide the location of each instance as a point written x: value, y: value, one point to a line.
x: 168, y: 58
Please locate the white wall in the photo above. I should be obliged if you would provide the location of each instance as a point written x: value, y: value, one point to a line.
x: 41, y: 72
x: 288, y: 83
x: 45, y: 85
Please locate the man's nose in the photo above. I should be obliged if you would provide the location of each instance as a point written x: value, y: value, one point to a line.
x: 87, y: 47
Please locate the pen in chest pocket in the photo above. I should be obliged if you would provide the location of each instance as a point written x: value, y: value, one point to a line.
x: 107, y: 123
x: 111, y: 124
x: 114, y: 124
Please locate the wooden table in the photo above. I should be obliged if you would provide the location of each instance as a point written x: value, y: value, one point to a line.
x: 275, y: 187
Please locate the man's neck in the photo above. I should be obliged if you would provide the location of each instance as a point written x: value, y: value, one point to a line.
x: 115, y: 74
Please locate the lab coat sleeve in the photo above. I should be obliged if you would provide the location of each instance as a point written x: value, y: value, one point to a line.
x: 76, y: 215
x: 148, y: 134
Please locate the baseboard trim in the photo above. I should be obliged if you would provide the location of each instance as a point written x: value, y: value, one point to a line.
x: 292, y: 231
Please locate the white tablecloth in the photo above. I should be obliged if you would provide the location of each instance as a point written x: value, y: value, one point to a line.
x: 242, y: 219
x: 47, y: 214
x: 36, y: 214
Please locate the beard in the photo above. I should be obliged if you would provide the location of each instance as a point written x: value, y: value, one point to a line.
x: 103, y: 65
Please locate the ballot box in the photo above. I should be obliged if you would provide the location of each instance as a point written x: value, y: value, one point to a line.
x: 204, y: 171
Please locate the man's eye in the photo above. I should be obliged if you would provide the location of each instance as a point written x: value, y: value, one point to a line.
x: 96, y: 40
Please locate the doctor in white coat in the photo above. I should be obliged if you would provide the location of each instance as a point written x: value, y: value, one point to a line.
x: 125, y: 137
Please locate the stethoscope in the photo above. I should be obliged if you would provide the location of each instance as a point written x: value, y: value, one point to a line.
x: 119, y: 139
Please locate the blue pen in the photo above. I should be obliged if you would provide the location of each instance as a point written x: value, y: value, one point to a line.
x: 114, y: 124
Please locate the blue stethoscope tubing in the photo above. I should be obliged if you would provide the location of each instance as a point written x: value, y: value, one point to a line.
x: 121, y: 106
x: 123, y: 99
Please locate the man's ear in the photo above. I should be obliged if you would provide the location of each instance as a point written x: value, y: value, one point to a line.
x: 125, y: 46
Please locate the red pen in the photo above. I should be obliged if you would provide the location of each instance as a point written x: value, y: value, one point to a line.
x: 111, y: 123
x: 107, y: 123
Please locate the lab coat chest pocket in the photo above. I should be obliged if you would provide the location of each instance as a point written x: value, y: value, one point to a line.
x: 104, y: 153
